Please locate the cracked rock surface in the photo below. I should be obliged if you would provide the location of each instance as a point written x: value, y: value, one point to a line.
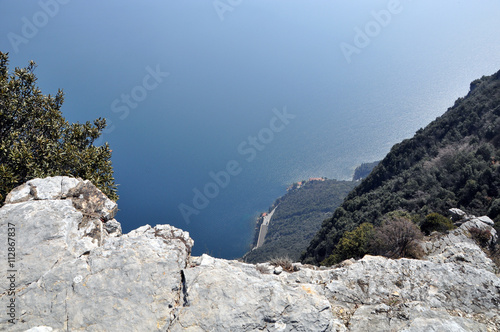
x: 77, y: 272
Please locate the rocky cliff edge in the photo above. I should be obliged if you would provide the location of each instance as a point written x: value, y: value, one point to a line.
x: 74, y: 270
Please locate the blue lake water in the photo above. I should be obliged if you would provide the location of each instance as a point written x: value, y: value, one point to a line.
x: 356, y: 77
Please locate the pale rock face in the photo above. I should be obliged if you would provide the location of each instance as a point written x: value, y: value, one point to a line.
x: 457, y: 214
x: 85, y: 196
x: 41, y: 329
x: 458, y: 246
x: 77, y: 272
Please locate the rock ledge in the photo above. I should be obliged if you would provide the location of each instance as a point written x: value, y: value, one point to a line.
x: 77, y: 272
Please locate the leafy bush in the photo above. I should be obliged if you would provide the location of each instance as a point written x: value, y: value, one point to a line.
x: 396, y: 237
x: 36, y: 140
x: 354, y: 244
x: 436, y: 222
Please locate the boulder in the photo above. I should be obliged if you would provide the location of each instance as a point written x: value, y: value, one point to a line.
x: 459, y: 247
x: 457, y: 215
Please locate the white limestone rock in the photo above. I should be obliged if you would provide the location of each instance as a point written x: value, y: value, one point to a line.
x: 77, y: 272
x: 40, y: 329
x: 73, y: 275
x: 113, y: 227
x: 458, y: 246
x: 234, y: 296
x: 84, y: 195
x: 458, y: 215
x: 487, y: 220
x: 42, y: 189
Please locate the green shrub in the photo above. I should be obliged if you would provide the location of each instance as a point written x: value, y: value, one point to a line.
x: 36, y: 140
x: 494, y: 210
x: 353, y: 244
x: 436, y: 222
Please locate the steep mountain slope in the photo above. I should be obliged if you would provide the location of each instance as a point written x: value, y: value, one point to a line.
x: 453, y: 162
x: 363, y: 170
x: 298, y: 217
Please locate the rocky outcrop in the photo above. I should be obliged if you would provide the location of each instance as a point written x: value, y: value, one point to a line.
x: 458, y: 246
x: 75, y: 271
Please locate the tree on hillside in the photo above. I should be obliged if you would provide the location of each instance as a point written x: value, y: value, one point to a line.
x: 36, y: 140
x: 353, y: 244
x: 436, y: 222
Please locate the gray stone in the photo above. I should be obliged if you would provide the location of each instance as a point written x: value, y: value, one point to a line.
x: 457, y: 214
x: 486, y: 220
x: 40, y: 329
x: 458, y: 246
x: 42, y: 189
x: 233, y: 296
x: 84, y: 195
x: 113, y: 228
x: 77, y: 272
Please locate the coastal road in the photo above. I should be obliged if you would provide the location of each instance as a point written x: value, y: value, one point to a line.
x: 263, y: 228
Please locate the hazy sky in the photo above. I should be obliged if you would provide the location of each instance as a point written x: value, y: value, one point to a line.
x: 184, y: 84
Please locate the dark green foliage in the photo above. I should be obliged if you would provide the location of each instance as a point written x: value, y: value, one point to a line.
x: 396, y: 237
x: 298, y: 218
x: 353, y: 244
x: 436, y: 222
x: 495, y: 255
x: 36, y: 140
x: 453, y: 162
x: 494, y: 213
x: 364, y: 170
x: 494, y: 210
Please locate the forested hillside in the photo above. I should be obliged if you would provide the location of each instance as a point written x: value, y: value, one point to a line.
x: 298, y: 217
x: 363, y: 170
x: 453, y: 162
